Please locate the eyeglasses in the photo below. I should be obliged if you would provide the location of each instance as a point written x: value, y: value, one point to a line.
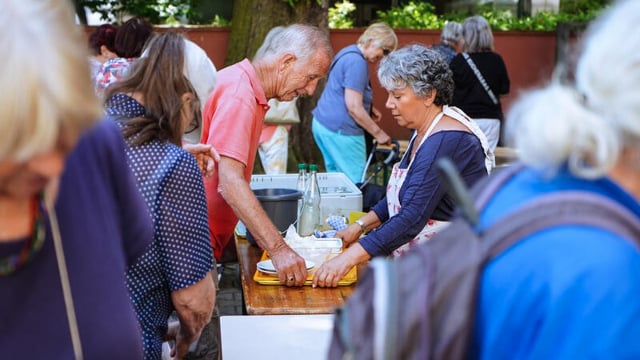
x: 385, y: 52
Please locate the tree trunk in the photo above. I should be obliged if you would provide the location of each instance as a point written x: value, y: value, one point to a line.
x: 251, y: 21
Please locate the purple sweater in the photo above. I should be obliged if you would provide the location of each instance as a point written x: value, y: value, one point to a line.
x: 104, y: 226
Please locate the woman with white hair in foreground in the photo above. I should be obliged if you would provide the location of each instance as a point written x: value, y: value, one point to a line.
x: 571, y: 291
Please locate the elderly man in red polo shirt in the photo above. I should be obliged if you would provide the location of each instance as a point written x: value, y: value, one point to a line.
x: 289, y: 63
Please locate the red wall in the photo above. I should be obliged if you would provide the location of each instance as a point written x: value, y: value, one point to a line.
x: 529, y: 56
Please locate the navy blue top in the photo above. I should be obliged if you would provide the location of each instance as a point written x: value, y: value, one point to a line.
x: 104, y: 227
x: 171, y: 185
x: 423, y: 195
x: 570, y: 292
x: 447, y: 51
x: 349, y: 70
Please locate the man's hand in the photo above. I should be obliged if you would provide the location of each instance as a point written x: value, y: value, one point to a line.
x: 206, y: 156
x: 291, y: 267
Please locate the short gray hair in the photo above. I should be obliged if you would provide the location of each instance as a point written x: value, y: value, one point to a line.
x: 452, y: 31
x: 587, y: 125
x: 477, y: 34
x: 299, y: 39
x: 420, y: 68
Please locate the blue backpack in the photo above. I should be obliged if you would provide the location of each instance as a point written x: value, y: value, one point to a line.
x: 422, y: 304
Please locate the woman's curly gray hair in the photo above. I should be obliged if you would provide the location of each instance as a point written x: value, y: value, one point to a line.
x: 420, y: 68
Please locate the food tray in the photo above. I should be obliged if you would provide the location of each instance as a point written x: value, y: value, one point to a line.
x: 266, y: 279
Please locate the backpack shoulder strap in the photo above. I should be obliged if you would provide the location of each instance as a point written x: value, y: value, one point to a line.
x: 484, y: 190
x: 471, y: 202
x: 385, y: 304
x: 560, y: 208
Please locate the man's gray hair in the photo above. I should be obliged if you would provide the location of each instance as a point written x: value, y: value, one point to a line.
x: 299, y: 39
x: 420, y: 68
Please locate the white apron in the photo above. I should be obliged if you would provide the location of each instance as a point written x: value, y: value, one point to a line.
x: 398, y: 176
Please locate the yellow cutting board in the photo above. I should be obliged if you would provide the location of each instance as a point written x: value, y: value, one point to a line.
x: 269, y: 279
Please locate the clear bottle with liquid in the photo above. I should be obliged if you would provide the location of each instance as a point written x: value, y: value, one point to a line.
x: 310, y: 213
x: 301, y: 184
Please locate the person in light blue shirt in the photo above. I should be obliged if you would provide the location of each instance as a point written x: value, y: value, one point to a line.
x: 345, y: 111
x: 571, y: 292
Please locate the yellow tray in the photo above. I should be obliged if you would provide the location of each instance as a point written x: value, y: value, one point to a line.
x: 268, y: 279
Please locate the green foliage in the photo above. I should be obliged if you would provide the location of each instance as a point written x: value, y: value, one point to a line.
x: 156, y: 11
x: 412, y: 16
x: 340, y: 15
x: 421, y: 16
x: 582, y: 6
x: 220, y: 21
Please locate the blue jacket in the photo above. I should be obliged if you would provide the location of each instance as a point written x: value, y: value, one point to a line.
x: 570, y: 292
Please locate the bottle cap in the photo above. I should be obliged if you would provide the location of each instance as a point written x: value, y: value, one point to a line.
x: 313, y: 167
x: 302, y: 166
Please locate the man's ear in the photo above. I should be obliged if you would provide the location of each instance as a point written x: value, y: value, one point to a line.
x: 287, y: 61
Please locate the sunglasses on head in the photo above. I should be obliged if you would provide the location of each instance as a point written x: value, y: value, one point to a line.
x: 385, y: 52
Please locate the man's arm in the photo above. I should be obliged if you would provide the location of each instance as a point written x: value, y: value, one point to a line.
x: 235, y: 190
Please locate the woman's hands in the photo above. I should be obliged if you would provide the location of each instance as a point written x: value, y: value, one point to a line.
x: 350, y: 234
x: 330, y: 273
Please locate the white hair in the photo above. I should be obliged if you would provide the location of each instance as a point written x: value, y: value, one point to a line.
x: 586, y: 126
x: 46, y: 87
x: 299, y: 39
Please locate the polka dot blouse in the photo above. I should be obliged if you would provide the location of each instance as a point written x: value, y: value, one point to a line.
x: 181, y: 255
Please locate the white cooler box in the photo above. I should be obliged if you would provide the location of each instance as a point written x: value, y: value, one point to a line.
x: 339, y: 195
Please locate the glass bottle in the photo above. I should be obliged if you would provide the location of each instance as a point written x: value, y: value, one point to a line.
x: 310, y: 212
x: 301, y: 184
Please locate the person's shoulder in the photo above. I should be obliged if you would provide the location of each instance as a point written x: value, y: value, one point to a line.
x: 350, y: 52
x: 487, y: 56
x: 100, y: 149
x: 117, y: 63
x: 185, y: 163
x: 456, y: 133
x: 457, y: 60
x: 239, y: 73
x: 103, y: 132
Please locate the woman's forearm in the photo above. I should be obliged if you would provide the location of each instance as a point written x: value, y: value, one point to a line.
x: 194, y: 306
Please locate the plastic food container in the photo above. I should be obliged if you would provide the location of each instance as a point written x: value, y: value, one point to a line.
x: 320, y: 250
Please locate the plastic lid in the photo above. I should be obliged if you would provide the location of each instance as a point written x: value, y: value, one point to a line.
x: 302, y: 166
x: 313, y: 167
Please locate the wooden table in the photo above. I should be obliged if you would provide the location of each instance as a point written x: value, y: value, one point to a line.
x: 277, y: 299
